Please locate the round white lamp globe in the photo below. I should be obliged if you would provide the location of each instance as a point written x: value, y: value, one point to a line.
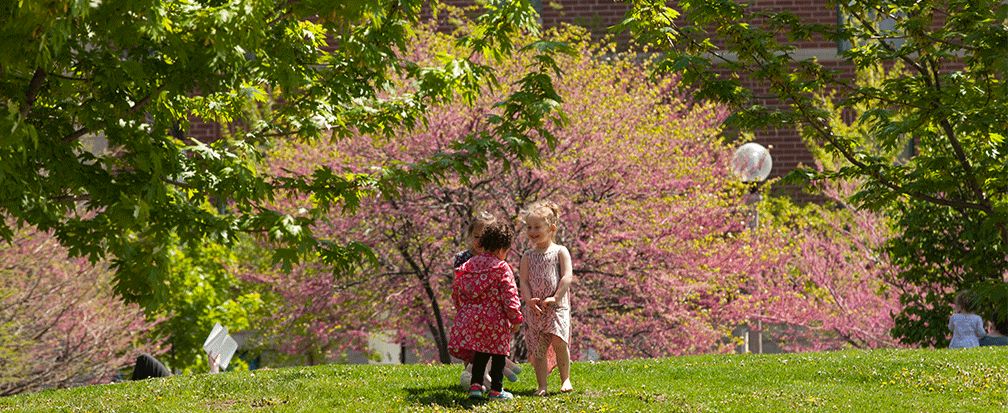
x: 752, y: 162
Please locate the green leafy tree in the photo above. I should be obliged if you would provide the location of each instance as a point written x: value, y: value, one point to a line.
x: 136, y: 74
x: 207, y: 292
x: 949, y: 200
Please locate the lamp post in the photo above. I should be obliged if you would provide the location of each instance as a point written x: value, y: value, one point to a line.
x: 752, y: 164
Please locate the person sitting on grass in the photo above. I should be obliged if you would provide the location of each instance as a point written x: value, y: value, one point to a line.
x: 967, y: 327
x: 995, y: 335
x: 147, y: 367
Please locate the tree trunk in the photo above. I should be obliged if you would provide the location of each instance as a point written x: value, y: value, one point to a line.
x: 440, y: 338
x: 437, y: 330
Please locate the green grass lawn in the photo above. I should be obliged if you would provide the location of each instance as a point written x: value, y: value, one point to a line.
x: 876, y: 381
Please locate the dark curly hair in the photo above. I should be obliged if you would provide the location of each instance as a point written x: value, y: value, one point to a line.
x: 1001, y: 326
x: 496, y: 236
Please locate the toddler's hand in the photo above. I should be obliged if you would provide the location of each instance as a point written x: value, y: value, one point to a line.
x: 548, y: 302
x: 536, y: 304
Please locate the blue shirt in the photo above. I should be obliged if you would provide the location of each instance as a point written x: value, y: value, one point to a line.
x: 966, y: 330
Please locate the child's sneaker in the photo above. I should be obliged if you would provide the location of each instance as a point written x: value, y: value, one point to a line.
x: 511, y: 375
x: 499, y: 395
x: 476, y: 390
x: 516, y: 369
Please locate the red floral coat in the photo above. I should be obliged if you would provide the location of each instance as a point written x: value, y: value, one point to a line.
x: 486, y: 305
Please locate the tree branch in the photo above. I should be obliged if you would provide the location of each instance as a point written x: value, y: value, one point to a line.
x: 32, y: 93
x: 76, y: 135
x: 827, y: 135
x: 906, y: 59
x: 133, y: 109
x: 440, y: 338
x: 65, y: 77
x: 957, y: 148
x: 282, y: 13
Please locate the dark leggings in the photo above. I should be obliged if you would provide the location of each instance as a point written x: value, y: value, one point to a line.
x: 496, y: 370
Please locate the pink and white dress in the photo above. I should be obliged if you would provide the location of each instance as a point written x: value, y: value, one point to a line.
x: 486, y: 304
x: 543, y: 277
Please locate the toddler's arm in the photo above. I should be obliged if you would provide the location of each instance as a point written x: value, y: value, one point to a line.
x: 509, y: 298
x: 567, y: 273
x: 526, y: 291
x: 523, y: 275
x: 979, y: 327
x: 454, y: 294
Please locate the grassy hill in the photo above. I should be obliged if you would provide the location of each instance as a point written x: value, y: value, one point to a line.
x: 857, y: 381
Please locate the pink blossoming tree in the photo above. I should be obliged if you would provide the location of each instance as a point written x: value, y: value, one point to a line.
x: 60, y: 324
x: 839, y: 289
x: 663, y: 262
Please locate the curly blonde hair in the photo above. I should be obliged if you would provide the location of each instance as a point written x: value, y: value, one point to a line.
x: 480, y: 222
x: 545, y: 209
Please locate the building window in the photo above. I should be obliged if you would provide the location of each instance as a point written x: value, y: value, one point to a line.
x: 885, y: 26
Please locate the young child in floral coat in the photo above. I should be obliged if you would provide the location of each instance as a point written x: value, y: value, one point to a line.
x: 487, y: 310
x: 473, y: 233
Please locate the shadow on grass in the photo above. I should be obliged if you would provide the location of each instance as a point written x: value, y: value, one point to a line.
x: 445, y: 396
x: 451, y: 396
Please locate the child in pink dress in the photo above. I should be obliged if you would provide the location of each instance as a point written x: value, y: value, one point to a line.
x: 546, y: 275
x: 487, y: 311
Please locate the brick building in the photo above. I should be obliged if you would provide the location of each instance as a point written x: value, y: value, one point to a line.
x: 787, y: 148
